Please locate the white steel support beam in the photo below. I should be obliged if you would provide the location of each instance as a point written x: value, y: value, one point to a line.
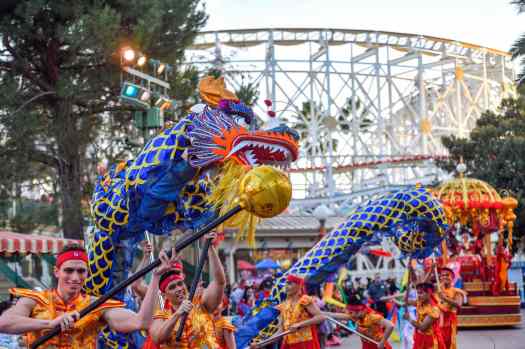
x: 383, y: 87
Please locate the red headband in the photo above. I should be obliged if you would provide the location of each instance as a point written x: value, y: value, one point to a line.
x: 71, y: 255
x: 425, y: 286
x: 173, y: 277
x: 447, y: 270
x: 295, y: 279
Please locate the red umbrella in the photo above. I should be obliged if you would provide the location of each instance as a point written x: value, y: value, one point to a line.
x: 243, y: 265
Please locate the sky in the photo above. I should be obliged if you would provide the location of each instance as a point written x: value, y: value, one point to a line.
x: 490, y: 23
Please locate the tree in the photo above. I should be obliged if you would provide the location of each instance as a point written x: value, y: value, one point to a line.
x: 518, y: 48
x: 346, y: 118
x: 248, y: 93
x: 59, y: 77
x: 318, y: 143
x: 495, y: 152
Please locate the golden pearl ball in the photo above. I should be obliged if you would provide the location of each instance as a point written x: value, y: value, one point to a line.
x: 265, y: 191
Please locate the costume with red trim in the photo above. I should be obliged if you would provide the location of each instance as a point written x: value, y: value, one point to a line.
x: 49, y: 306
x: 199, y: 331
x: 449, y: 319
x: 431, y: 338
x: 369, y: 325
x: 295, y: 312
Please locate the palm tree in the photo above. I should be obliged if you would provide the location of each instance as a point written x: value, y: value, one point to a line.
x: 346, y: 117
x: 314, y: 144
x: 518, y: 48
x: 248, y: 93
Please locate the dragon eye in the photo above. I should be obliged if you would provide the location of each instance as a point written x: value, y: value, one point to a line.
x: 239, y: 120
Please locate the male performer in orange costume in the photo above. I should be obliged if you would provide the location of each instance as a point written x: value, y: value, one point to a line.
x: 369, y: 322
x: 198, y: 330
x: 300, y: 314
x: 427, y: 334
x: 450, y: 300
x: 36, y: 312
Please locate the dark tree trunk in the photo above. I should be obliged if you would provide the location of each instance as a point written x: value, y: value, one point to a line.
x: 69, y: 169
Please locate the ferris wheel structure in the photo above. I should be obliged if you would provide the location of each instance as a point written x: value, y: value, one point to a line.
x: 371, y: 106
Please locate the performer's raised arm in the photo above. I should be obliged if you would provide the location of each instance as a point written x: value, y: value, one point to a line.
x: 199, y: 324
x: 213, y: 294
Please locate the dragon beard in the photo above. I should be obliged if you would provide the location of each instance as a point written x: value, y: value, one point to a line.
x: 225, y: 194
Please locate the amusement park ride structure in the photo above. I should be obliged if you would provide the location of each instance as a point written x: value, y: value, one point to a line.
x: 371, y: 106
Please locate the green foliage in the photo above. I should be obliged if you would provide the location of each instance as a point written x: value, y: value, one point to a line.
x: 184, y: 88
x: 60, y: 81
x: 495, y: 152
x: 248, y: 93
x: 346, y: 118
x: 33, y: 214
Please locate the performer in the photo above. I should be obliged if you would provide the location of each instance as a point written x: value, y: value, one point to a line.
x: 299, y: 314
x: 450, y: 301
x: 224, y: 330
x: 36, y: 312
x: 198, y: 330
x: 369, y: 322
x: 427, y: 334
x: 500, y: 282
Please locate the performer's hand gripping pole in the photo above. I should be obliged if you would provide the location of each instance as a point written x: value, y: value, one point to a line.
x: 194, y: 284
x: 151, y: 260
x: 265, y: 192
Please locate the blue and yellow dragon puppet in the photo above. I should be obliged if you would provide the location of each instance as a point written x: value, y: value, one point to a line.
x: 190, y: 173
x: 184, y: 177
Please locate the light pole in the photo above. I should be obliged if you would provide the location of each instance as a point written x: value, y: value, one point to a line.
x: 144, y: 85
x: 322, y: 212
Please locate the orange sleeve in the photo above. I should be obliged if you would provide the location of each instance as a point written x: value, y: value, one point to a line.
x: 109, y: 304
x: 37, y: 296
x: 305, y: 300
x: 224, y: 324
x: 375, y: 319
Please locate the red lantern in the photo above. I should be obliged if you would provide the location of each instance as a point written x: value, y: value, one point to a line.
x: 497, y: 205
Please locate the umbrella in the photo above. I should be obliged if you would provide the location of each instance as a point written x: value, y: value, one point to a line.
x: 267, y: 264
x: 243, y: 265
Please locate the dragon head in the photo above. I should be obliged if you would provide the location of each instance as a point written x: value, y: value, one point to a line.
x: 226, y: 129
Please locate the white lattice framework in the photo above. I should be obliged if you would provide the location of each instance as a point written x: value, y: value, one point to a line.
x: 379, y: 101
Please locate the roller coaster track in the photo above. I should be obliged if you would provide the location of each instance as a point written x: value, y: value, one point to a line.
x: 392, y: 161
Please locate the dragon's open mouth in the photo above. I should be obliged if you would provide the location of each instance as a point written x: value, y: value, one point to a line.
x: 264, y: 148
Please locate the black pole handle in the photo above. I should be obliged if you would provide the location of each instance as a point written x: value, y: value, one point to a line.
x: 179, y: 246
x: 194, y: 284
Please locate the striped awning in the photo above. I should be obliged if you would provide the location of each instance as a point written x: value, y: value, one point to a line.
x: 21, y: 243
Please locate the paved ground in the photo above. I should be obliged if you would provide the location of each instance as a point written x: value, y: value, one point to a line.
x: 509, y: 338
